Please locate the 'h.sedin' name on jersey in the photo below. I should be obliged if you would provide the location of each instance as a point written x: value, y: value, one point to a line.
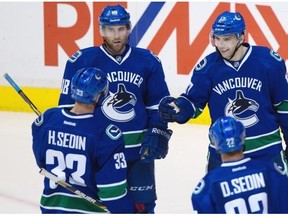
x: 238, y: 82
x: 66, y: 140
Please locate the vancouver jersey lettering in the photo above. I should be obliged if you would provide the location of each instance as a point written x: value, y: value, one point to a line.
x: 238, y: 82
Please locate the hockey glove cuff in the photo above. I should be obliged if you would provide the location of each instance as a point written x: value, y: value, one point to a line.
x: 155, y: 144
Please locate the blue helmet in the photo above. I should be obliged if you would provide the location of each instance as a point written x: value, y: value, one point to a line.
x: 88, y: 85
x: 114, y: 15
x: 229, y: 23
x: 227, y: 134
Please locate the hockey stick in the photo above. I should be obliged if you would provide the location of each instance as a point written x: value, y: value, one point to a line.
x: 69, y: 187
x: 22, y: 94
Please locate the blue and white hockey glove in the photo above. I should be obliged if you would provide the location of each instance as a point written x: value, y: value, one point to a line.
x: 172, y: 109
x: 155, y: 144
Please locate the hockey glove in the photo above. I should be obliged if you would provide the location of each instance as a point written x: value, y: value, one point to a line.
x: 167, y: 112
x: 155, y: 144
x: 179, y: 110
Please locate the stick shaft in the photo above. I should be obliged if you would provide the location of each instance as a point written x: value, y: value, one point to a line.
x: 69, y: 187
x: 22, y: 94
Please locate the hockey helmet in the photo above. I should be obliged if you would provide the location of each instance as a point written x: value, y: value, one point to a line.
x: 229, y: 23
x: 114, y: 15
x: 89, y: 85
x: 227, y: 135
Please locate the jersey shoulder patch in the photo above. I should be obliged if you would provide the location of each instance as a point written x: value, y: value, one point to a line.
x: 113, y: 132
x: 279, y: 169
x: 199, y: 187
x: 275, y: 55
x: 264, y: 52
x: 75, y: 56
x: 201, y: 64
x: 39, y: 121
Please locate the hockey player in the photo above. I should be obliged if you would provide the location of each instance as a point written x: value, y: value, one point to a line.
x: 240, y: 185
x: 132, y: 103
x: 248, y: 83
x: 84, y: 149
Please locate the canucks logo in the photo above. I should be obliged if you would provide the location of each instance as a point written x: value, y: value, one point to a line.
x: 119, y: 106
x: 113, y: 132
x: 201, y: 64
x: 75, y: 56
x: 275, y: 55
x: 39, y: 121
x: 199, y: 187
x: 242, y: 109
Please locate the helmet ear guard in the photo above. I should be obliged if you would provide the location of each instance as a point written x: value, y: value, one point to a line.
x: 227, y: 135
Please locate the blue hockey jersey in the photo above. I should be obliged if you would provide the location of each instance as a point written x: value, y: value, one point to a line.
x: 86, y: 151
x: 253, y: 90
x: 243, y: 187
x: 136, y: 86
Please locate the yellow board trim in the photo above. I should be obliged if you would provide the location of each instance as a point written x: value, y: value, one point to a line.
x: 204, y: 118
x: 44, y: 98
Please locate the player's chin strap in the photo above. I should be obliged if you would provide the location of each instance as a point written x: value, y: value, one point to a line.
x: 236, y: 49
x: 237, y: 46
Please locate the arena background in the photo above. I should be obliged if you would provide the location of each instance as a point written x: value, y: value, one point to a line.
x: 37, y: 38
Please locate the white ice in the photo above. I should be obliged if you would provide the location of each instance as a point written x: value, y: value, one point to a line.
x: 176, y: 175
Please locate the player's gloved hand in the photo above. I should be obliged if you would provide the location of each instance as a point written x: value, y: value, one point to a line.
x: 172, y: 109
x: 155, y: 144
x: 167, y: 111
